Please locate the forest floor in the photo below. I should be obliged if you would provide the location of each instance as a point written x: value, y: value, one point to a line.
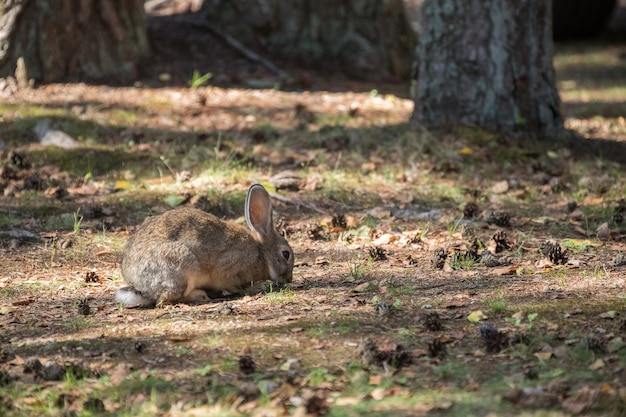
x: 437, y: 273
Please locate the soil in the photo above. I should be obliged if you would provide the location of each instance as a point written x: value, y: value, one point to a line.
x: 379, y: 261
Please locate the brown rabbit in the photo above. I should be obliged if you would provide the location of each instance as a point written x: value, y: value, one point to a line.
x: 185, y: 252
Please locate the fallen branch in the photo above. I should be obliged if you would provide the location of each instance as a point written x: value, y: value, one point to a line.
x: 296, y: 202
x: 251, y: 55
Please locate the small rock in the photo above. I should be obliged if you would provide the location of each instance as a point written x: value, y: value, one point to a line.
x: 287, y: 180
x: 603, y: 231
x: 500, y: 187
x: 51, y: 137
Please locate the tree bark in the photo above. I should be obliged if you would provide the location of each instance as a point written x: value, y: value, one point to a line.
x: 367, y: 39
x: 101, y: 40
x: 487, y: 64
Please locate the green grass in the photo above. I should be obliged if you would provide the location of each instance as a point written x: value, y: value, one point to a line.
x: 498, y: 306
x: 282, y: 296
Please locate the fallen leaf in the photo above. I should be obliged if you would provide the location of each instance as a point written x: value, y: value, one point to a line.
x: 348, y: 401
x: 378, y: 394
x: 476, y: 316
x: 311, y: 182
x: 375, y: 379
x: 119, y: 375
x: 519, y: 315
x: 17, y: 361
x: 122, y: 185
x: 361, y: 288
x: 500, y: 187
x: 385, y: 239
x: 379, y: 212
x: 598, y: 364
x: 552, y: 326
x: 504, y: 270
x: 5, y: 310
x: 85, y: 189
x: 167, y: 179
x: 544, y: 356
x: 575, y: 406
x: 608, y: 315
x: 573, y: 312
x: 173, y: 200
x: 442, y: 406
x: 454, y: 304
x: 418, y: 353
x: 479, y: 353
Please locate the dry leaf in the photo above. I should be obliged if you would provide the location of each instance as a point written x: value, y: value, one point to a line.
x: 119, y: 374
x: 122, y: 185
x: 575, y: 405
x: 5, y: 310
x: 504, y: 270
x: 378, y: 394
x: 544, y: 356
x: 320, y: 260
x: 361, y: 288
x: 500, y: 187
x: 167, y: 179
x: 385, y: 239
x: 476, y: 316
x: 348, y: 401
x: 593, y: 201
x: 598, y: 364
x: 375, y: 379
x: 552, y: 326
x: 379, y: 212
x: 608, y: 315
x: 442, y: 406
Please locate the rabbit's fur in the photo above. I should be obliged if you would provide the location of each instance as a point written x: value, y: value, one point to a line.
x: 185, y: 252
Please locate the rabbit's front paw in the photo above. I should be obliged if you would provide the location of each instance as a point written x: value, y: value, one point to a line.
x: 197, y: 296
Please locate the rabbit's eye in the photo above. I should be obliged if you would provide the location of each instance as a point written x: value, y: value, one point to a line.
x: 286, y: 254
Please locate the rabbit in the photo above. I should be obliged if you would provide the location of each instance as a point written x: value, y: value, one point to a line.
x: 184, y: 253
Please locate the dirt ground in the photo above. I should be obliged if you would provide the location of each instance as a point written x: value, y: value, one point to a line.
x: 407, y: 244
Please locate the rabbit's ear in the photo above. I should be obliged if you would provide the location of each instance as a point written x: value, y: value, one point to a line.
x: 258, y: 210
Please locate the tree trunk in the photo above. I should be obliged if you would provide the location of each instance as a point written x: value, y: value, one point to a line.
x: 101, y: 40
x: 367, y: 39
x: 487, y: 64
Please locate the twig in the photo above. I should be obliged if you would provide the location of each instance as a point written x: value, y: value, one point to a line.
x: 296, y: 202
x: 251, y: 55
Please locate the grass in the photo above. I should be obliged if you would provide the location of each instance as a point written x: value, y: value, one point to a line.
x: 498, y: 306
x: 198, y: 79
x: 282, y: 296
x: 359, y: 268
x: 191, y: 354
